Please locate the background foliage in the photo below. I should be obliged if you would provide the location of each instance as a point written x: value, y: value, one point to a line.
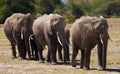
x: 71, y: 9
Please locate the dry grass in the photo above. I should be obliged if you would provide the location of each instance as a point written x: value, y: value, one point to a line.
x: 16, y: 66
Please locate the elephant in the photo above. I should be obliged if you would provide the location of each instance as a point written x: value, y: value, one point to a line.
x: 18, y: 28
x: 86, y: 33
x: 59, y: 47
x: 49, y: 30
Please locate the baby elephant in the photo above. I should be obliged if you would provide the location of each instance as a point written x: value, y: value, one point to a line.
x: 67, y: 35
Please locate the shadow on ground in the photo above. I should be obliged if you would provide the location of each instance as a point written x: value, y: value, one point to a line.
x: 109, y: 70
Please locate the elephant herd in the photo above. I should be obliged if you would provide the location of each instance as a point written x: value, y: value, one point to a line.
x: 32, y: 36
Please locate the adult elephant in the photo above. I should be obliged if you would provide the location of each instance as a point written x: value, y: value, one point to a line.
x: 48, y: 30
x: 18, y: 28
x: 86, y: 33
x: 59, y: 47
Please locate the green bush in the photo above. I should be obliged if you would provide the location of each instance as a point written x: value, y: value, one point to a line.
x: 8, y: 7
x: 76, y: 11
x: 69, y: 18
x: 112, y: 9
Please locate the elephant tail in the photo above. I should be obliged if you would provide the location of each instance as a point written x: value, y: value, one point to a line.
x: 30, y: 38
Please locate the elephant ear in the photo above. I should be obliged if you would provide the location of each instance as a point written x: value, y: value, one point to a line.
x: 96, y: 23
x: 49, y: 27
x: 54, y: 22
x: 52, y: 25
x: 17, y: 22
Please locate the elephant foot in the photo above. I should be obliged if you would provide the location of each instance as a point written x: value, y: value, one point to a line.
x: 21, y: 58
x: 68, y: 59
x: 13, y: 57
x: 36, y: 58
x: 41, y: 61
x: 81, y: 67
x: 60, y: 59
x: 86, y: 68
x: 53, y: 63
x: 29, y: 58
x: 100, y: 68
x: 74, y: 65
x: 48, y: 60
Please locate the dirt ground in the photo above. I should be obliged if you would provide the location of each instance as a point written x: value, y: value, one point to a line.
x: 16, y: 66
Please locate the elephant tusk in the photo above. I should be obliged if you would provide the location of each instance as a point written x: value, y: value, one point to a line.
x: 59, y: 40
x: 21, y: 35
x: 101, y: 39
x: 31, y: 37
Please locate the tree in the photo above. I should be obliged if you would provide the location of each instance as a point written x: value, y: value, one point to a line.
x: 112, y: 9
x: 8, y: 7
x: 44, y: 6
x: 75, y: 8
x: 47, y: 6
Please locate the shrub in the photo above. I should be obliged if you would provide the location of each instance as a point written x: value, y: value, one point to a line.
x: 112, y: 9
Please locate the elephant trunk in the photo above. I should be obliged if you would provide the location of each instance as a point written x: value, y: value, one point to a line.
x: 104, y: 42
x: 30, y: 38
x: 63, y: 42
x: 62, y: 39
x: 59, y: 40
x: 26, y: 35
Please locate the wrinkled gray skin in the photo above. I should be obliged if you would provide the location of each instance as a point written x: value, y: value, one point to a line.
x: 18, y: 28
x: 87, y: 32
x: 47, y: 29
x: 59, y: 47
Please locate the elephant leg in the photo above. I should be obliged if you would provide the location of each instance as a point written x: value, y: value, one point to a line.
x: 23, y: 50
x: 53, y: 54
x: 20, y: 43
x: 60, y: 52
x: 87, y: 59
x: 11, y: 38
x: 40, y: 50
x: 82, y: 58
x: 13, y: 51
x: 32, y: 52
x: 48, y: 56
x: 36, y: 53
x: 32, y: 48
x: 67, y: 54
x: 41, y: 59
x: 74, y: 54
x: 26, y: 45
x: 99, y: 55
